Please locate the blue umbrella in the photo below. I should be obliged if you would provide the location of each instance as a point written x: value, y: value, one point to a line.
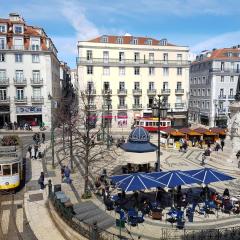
x: 209, y: 175
x: 174, y: 178
x: 135, y: 182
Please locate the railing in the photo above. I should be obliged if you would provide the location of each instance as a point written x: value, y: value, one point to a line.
x: 37, y: 99
x: 231, y: 97
x: 137, y: 91
x: 149, y: 105
x: 3, y: 47
x: 122, y: 91
x: 179, y: 105
x: 222, y: 96
x: 151, y: 91
x: 106, y: 91
x: 20, y: 81
x: 106, y: 106
x: 20, y: 100
x: 4, y: 81
x: 36, y: 81
x: 90, y: 91
x: 137, y: 106
x: 116, y: 61
x: 166, y: 91
x: 5, y: 100
x: 122, y: 106
x: 18, y: 47
x: 225, y: 70
x: 179, y: 91
x: 35, y: 48
x: 222, y: 110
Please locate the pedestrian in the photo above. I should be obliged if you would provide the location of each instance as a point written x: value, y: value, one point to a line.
x: 217, y: 147
x: 67, y: 174
x: 15, y: 125
x: 41, y: 180
x: 35, y: 151
x: 238, y: 154
x: 43, y: 138
x: 38, y: 137
x: 239, y: 164
x: 222, y: 144
x: 62, y: 172
x: 30, y: 150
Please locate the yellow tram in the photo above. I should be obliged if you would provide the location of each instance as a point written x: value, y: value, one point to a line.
x: 11, y: 167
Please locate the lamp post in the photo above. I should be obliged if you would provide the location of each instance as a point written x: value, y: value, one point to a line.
x: 52, y: 130
x: 215, y: 112
x: 109, y: 101
x: 159, y: 109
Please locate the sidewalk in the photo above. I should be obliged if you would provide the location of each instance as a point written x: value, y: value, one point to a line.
x: 36, y: 209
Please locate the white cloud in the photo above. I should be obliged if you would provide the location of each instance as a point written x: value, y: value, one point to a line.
x: 224, y: 40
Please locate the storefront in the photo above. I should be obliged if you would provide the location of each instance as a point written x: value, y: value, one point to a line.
x: 122, y: 119
x: 204, y: 120
x: 29, y: 114
x: 4, y: 115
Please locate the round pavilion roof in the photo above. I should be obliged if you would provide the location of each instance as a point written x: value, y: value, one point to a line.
x: 139, y: 134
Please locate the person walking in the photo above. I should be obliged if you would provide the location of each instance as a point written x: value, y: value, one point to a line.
x: 43, y: 138
x: 30, y: 150
x: 222, y: 144
x: 35, y: 151
x: 62, y: 172
x: 67, y: 174
x: 41, y: 180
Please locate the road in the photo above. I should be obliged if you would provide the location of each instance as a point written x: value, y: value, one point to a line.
x: 13, y: 222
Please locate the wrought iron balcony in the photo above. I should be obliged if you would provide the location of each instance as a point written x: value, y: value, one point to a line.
x: 166, y: 91
x: 18, y: 47
x: 20, y: 81
x: 122, y: 106
x: 90, y: 91
x: 5, y: 100
x: 106, y: 107
x: 122, y: 91
x: 20, y: 99
x: 137, y: 106
x: 107, y: 91
x: 35, y: 48
x: 179, y: 105
x: 3, y: 47
x: 231, y: 97
x: 151, y: 92
x: 92, y: 107
x: 37, y: 99
x: 4, y: 81
x: 179, y: 91
x: 222, y: 110
x: 137, y: 91
x: 36, y: 81
x: 224, y: 70
x: 222, y: 96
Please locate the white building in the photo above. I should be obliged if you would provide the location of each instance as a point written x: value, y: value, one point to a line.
x: 213, y: 81
x: 134, y: 70
x: 29, y: 72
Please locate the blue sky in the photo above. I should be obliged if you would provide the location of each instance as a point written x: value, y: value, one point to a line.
x: 199, y: 24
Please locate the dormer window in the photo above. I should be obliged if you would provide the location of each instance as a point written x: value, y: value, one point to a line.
x: 229, y: 54
x: 149, y: 41
x: 104, y: 39
x: 119, y: 40
x: 3, y: 28
x: 163, y: 42
x: 18, y: 29
x: 135, y: 41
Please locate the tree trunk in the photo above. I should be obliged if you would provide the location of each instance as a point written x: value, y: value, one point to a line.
x: 71, y: 148
x: 63, y: 137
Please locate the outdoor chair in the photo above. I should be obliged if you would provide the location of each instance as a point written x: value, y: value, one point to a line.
x: 173, y: 214
x: 132, y: 217
x: 180, y: 219
x: 227, y: 207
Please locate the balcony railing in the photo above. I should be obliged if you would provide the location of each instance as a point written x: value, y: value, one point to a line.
x: 122, y: 106
x: 37, y: 99
x: 130, y: 62
x: 222, y: 96
x: 36, y: 81
x: 166, y: 91
x: 122, y: 91
x: 3, y: 47
x: 90, y: 91
x: 106, y: 91
x: 5, y: 100
x: 20, y: 81
x: 92, y: 106
x: 179, y: 105
x: 137, y: 91
x: 222, y: 110
x: 106, y: 106
x: 231, y: 97
x: 137, y: 106
x: 179, y: 91
x: 18, y: 47
x: 34, y: 48
x: 225, y: 70
x: 151, y: 91
x: 4, y: 81
x: 20, y: 100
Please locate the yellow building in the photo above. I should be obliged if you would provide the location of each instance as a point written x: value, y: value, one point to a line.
x: 132, y: 71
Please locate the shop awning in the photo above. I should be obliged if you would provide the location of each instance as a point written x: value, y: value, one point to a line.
x: 177, y: 134
x: 219, y: 130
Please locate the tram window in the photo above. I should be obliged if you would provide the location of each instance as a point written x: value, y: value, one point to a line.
x: 15, y: 168
x: 168, y: 123
x: 150, y: 123
x: 154, y: 123
x: 164, y: 124
x: 157, y: 124
x: 0, y: 170
x: 161, y: 123
x: 147, y: 124
x: 137, y: 123
x: 141, y: 123
x: 6, y: 170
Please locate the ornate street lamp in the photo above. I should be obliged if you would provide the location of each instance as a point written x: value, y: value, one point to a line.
x: 109, y: 102
x: 159, y: 109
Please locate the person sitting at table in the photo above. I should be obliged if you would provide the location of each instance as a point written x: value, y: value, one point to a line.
x: 226, y: 193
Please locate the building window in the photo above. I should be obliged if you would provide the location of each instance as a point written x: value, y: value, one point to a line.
x: 121, y: 71
x: 19, y: 75
x: 136, y: 85
x: 121, y: 101
x: 36, y: 92
x: 105, y: 56
x: 203, y: 104
x: 203, y: 92
x: 208, y: 80
x: 222, y: 78
x: 104, y: 39
x: 2, y: 28
x: 106, y: 86
x: 119, y: 40
x: 2, y: 75
x: 195, y: 92
x: 165, y: 71
x: 151, y: 86
x: 18, y: 57
x: 106, y: 71
x: 89, y: 69
x: 165, y: 57
x: 179, y: 57
x: 137, y: 100
x: 203, y: 80
x: 149, y: 42
x: 199, y: 80
x: 20, y: 93
x: 231, y: 92
x: 36, y: 75
x: 151, y: 58
x: 136, y: 70
x: 136, y: 57
x: 231, y: 79
x: 89, y: 55
x: 165, y: 85
x: 208, y: 92
x: 208, y: 105
x: 35, y: 58
x: 151, y: 71
x: 199, y: 92
x: 222, y: 66
x: 179, y: 71
x: 179, y: 85
x: 121, y: 85
x: 18, y: 29
x: 2, y: 57
x: 121, y: 56
x: 3, y: 94
x: 221, y: 92
x: 135, y: 41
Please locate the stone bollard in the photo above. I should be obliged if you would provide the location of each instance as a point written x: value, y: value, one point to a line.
x: 49, y: 188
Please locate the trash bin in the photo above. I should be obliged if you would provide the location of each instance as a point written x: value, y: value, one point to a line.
x: 57, y: 188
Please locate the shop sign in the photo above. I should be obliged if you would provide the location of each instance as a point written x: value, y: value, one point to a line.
x: 29, y: 109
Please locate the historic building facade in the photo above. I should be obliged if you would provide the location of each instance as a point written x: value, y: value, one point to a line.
x: 131, y: 72
x: 29, y: 73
